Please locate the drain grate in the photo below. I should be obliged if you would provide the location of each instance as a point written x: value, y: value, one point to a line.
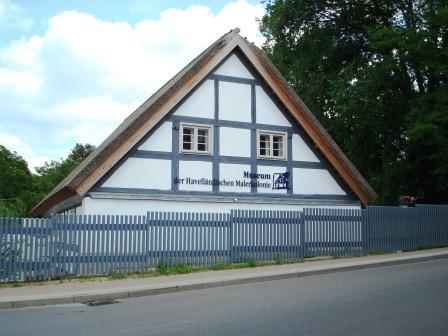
x: 101, y: 303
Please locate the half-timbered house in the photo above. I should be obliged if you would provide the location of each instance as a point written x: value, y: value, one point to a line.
x: 227, y: 132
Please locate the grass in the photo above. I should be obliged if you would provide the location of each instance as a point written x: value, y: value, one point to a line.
x: 16, y: 284
x: 116, y: 276
x: 219, y: 266
x: 85, y: 277
x: 252, y: 262
x: 167, y: 267
x: 377, y: 253
x: 163, y: 268
x: 183, y: 267
x: 278, y: 260
x: 422, y: 248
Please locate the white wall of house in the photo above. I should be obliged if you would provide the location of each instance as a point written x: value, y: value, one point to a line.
x: 315, y: 181
x: 267, y: 112
x: 233, y: 67
x: 234, y: 102
x: 160, y: 140
x: 78, y: 210
x: 228, y: 172
x: 142, y: 174
x: 195, y: 170
x: 235, y: 110
x: 234, y: 142
x: 270, y: 170
x: 201, y: 102
x: 141, y: 207
x: 301, y: 151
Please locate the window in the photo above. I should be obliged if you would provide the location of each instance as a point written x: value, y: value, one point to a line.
x: 195, y: 139
x: 271, y: 145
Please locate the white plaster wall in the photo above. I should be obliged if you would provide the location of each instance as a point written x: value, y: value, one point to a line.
x: 234, y: 102
x: 234, y: 141
x: 73, y: 211
x: 195, y: 170
x: 142, y: 173
x: 160, y: 140
x: 233, y: 172
x: 234, y: 67
x: 315, y: 181
x: 141, y: 207
x: 301, y: 151
x: 267, y: 112
x: 270, y: 170
x: 201, y: 103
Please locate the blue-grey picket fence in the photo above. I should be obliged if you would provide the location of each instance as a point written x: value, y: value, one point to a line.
x: 335, y: 232
x: 265, y: 235
x: 35, y: 249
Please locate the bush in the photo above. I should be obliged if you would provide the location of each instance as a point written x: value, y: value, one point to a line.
x: 116, y: 276
x: 218, y: 266
x: 252, y: 262
x: 279, y: 259
x: 183, y: 267
x: 162, y: 267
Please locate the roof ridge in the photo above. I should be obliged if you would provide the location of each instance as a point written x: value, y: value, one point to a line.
x: 83, y: 177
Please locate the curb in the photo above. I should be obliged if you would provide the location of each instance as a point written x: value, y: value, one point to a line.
x: 86, y: 298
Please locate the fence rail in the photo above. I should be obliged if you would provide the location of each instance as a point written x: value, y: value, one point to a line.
x: 35, y: 249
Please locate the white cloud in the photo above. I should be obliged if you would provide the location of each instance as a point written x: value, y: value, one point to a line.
x: 13, y: 15
x: 13, y: 143
x: 21, y: 82
x: 95, y: 108
x: 79, y: 79
x: 91, y: 119
x: 23, y: 53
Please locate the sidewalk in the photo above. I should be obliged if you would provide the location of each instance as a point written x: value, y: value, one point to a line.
x: 83, y: 292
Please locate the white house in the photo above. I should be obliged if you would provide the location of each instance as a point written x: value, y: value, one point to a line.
x: 227, y: 132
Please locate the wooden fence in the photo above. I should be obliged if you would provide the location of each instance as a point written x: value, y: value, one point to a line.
x: 33, y: 249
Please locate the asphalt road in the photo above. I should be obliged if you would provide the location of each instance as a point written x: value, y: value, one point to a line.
x: 409, y: 299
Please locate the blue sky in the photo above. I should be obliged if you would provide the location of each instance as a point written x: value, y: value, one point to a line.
x: 72, y: 70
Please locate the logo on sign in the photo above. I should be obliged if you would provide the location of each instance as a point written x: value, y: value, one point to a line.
x: 280, y: 180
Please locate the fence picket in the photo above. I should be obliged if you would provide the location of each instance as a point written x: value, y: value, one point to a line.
x: 98, y: 244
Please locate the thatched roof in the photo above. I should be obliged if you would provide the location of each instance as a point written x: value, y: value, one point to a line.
x: 105, y: 156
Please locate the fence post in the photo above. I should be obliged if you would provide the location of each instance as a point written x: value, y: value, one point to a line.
x: 365, y: 231
x: 2, y: 252
x: 230, y: 235
x: 302, y: 234
x: 50, y: 249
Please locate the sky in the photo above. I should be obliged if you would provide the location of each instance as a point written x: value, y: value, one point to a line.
x: 72, y: 70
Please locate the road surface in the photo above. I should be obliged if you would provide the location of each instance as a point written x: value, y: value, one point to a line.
x: 410, y: 299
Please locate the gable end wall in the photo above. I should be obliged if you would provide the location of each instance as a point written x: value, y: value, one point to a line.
x: 236, y: 108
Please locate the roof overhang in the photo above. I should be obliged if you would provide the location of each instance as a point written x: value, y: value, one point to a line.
x: 164, y: 100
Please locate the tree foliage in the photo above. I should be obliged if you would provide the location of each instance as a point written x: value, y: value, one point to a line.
x: 21, y: 190
x: 375, y: 74
x: 15, y: 180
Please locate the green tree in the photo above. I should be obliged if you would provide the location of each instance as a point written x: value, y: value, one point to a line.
x: 375, y: 74
x: 15, y: 180
x: 20, y: 190
x: 53, y: 172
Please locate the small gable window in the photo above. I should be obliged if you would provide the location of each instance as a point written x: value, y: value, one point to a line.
x: 271, y: 145
x: 195, y: 139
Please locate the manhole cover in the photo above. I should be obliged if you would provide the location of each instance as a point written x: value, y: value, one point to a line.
x: 101, y: 302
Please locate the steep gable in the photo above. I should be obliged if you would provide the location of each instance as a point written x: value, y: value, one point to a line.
x: 235, y: 101
x: 115, y: 148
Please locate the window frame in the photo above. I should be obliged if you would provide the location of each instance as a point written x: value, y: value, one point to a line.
x: 271, y: 134
x: 195, y: 127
